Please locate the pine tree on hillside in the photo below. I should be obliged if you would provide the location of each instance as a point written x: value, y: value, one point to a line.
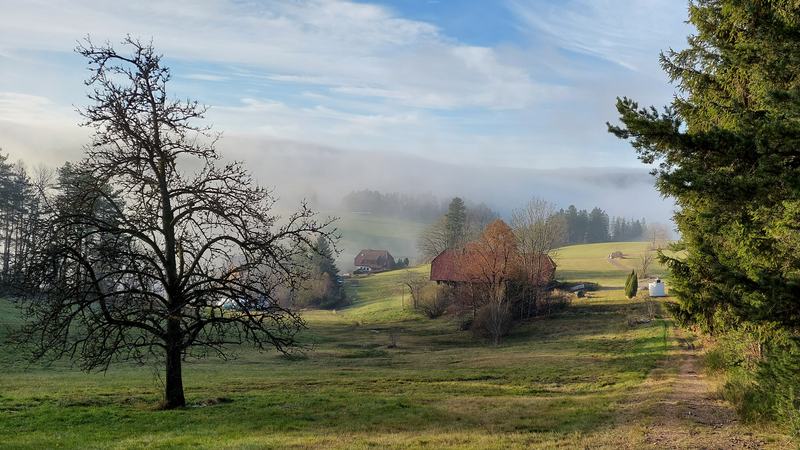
x: 324, y: 288
x: 322, y: 258
x: 456, y: 223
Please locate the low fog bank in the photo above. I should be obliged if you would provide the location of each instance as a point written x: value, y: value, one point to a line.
x: 323, y: 175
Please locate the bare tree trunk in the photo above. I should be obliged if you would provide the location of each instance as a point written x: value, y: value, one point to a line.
x: 173, y: 395
x: 7, y: 247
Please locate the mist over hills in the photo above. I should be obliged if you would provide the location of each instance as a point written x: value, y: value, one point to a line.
x: 324, y: 175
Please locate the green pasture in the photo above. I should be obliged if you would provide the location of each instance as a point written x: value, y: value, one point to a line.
x: 555, y: 382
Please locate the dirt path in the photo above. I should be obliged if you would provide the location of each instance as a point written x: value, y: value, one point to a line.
x: 678, y: 409
x: 688, y: 416
x: 615, y: 262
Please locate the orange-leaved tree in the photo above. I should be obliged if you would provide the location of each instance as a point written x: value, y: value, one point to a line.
x: 493, y: 260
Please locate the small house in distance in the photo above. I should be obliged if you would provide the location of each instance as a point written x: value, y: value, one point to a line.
x: 373, y: 260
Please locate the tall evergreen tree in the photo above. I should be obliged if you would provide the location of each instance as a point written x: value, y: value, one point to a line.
x: 598, y: 226
x: 323, y: 288
x: 727, y: 150
x: 322, y: 260
x: 456, y: 223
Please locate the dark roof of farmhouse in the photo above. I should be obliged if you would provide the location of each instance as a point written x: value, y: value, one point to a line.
x: 371, y: 257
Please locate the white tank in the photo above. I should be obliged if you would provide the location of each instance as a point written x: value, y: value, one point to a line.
x: 657, y: 289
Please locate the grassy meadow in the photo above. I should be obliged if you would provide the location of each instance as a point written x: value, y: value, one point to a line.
x: 589, y: 262
x: 557, y: 382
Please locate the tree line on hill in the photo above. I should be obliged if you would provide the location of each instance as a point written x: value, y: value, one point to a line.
x: 461, y: 224
x: 584, y: 227
x: 22, y: 211
x: 726, y: 149
x: 457, y: 226
x: 420, y: 207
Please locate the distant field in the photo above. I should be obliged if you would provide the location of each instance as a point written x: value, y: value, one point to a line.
x: 589, y: 262
x: 360, y: 231
x: 554, y: 382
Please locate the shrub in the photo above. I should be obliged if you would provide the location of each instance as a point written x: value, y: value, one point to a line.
x: 761, y: 363
x: 650, y: 306
x: 556, y: 300
x: 434, y: 303
x: 493, y: 322
x: 714, y: 360
x: 465, y: 322
x: 778, y: 380
x: 631, y: 285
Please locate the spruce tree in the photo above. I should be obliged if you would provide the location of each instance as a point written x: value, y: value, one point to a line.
x: 456, y: 223
x: 727, y: 150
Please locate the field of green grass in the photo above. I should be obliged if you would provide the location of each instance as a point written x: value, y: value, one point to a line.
x: 557, y: 382
x: 589, y: 262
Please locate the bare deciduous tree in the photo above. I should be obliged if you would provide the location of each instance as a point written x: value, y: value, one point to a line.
x: 539, y: 231
x: 433, y: 240
x: 645, y: 261
x: 415, y: 284
x: 149, y: 259
x: 659, y: 235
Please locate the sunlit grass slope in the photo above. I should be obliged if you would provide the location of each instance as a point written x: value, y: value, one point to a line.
x: 557, y: 382
x: 589, y: 262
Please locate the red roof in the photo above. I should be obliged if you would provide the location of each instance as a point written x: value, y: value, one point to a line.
x: 445, y: 267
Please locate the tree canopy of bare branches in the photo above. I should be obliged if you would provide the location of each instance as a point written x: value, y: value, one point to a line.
x: 157, y: 248
x: 540, y: 230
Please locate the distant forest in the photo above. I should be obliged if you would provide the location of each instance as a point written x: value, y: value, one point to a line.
x: 423, y: 207
x: 583, y: 226
x: 596, y: 226
x: 420, y: 207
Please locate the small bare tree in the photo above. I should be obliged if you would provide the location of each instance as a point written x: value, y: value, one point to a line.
x: 415, y: 284
x: 433, y: 240
x: 658, y: 234
x: 539, y: 231
x: 646, y: 260
x: 146, y: 259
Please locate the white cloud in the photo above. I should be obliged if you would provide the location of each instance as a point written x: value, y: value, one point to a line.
x: 629, y: 33
x: 22, y: 108
x: 353, y: 48
x: 353, y: 75
x: 206, y: 77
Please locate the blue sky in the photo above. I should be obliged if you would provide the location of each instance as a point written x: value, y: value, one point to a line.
x: 524, y: 84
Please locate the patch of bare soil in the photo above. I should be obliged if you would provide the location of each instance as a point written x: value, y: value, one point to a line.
x: 677, y: 409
